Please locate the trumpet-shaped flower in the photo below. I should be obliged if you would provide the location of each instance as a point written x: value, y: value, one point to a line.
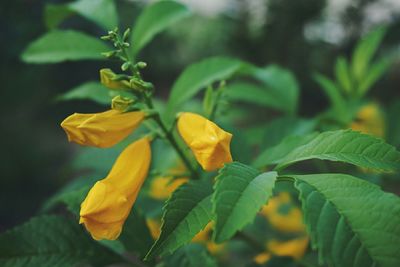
x: 103, y: 129
x: 110, y: 200
x: 209, y: 143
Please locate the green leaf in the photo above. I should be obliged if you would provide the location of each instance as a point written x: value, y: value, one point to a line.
x: 351, y: 222
x: 51, y: 241
x: 192, y: 255
x: 364, y: 52
x: 102, y: 12
x: 281, y: 83
x: 154, y: 19
x: 240, y: 192
x: 94, y: 91
x: 254, y: 94
x: 343, y: 74
x: 331, y: 91
x: 55, y: 14
x: 198, y: 76
x: 186, y: 213
x: 57, y: 46
x: 373, y: 74
x: 346, y: 146
x: 135, y: 235
x: 277, y: 153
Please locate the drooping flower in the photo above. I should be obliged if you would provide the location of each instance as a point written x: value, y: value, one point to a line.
x: 103, y: 129
x: 209, y: 143
x: 110, y: 200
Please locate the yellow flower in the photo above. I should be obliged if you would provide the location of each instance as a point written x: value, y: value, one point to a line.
x: 107, y: 79
x: 154, y: 226
x: 294, y: 248
x: 204, y: 237
x: 103, y: 129
x: 288, y: 222
x: 110, y: 200
x: 209, y: 143
x: 162, y: 187
x: 369, y: 120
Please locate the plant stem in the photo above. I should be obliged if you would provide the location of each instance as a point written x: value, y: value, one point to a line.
x: 170, y: 137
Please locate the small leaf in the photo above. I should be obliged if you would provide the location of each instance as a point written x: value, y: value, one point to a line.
x: 57, y: 46
x: 55, y: 14
x: 102, y: 12
x: 373, y: 74
x: 332, y: 91
x: 364, y: 52
x: 192, y: 255
x: 346, y: 146
x: 154, y: 19
x: 50, y: 241
x: 351, y: 222
x: 186, y: 213
x: 280, y: 83
x: 343, y: 75
x: 254, y: 94
x: 240, y: 192
x: 198, y: 76
x: 94, y: 91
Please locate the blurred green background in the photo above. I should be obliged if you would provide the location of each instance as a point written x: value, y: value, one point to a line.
x: 303, y: 36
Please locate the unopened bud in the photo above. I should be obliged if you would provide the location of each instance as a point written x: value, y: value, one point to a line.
x: 121, y: 103
x: 141, y: 65
x: 107, y: 77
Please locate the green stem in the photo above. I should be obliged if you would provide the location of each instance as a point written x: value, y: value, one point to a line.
x: 170, y: 137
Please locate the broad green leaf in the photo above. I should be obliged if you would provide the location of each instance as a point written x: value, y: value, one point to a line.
x: 332, y: 92
x: 199, y: 75
x: 277, y: 153
x: 240, y: 192
x: 278, y: 129
x: 57, y: 46
x: 373, y: 74
x: 352, y: 223
x: 281, y: 83
x: 343, y: 75
x: 364, y: 52
x: 186, y: 213
x: 135, y: 235
x: 346, y: 146
x: 154, y: 19
x: 94, y: 91
x: 55, y: 14
x: 191, y: 255
x: 254, y: 94
x: 52, y: 241
x: 102, y: 12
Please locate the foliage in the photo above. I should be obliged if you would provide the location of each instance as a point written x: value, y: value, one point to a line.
x: 211, y: 216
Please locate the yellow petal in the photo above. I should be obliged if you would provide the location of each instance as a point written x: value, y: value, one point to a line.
x: 293, y: 248
x: 162, y: 187
x: 103, y: 129
x: 262, y: 258
x: 154, y: 227
x: 110, y: 200
x: 209, y: 143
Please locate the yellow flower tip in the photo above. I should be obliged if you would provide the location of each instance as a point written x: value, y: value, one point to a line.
x: 262, y: 258
x: 370, y: 120
x: 209, y: 143
x: 110, y: 200
x: 154, y: 226
x: 162, y: 187
x: 103, y: 129
x: 295, y: 248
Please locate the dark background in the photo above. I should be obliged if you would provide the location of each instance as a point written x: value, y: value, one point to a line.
x: 302, y: 35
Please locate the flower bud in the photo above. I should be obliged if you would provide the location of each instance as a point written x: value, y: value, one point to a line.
x: 209, y: 143
x: 107, y: 78
x: 103, y: 129
x: 121, y: 103
x: 110, y: 200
